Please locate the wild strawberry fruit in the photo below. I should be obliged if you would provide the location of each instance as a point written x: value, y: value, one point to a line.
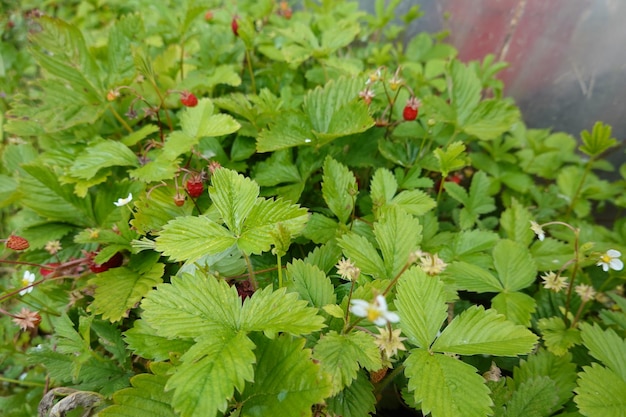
x: 115, y: 261
x: 17, y: 243
x: 234, y: 25
x: 195, y: 186
x: 48, y: 269
x: 179, y: 199
x: 411, y: 109
x: 188, y: 99
x: 208, y: 16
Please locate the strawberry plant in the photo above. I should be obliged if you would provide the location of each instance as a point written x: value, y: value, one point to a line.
x: 380, y: 232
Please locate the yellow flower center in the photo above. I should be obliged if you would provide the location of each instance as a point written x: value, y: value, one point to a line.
x: 605, y: 258
x: 373, y: 314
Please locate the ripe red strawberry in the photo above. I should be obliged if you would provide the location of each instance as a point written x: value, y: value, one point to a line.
x: 234, y: 25
x: 115, y: 261
x: 411, y: 109
x: 208, y: 16
x: 195, y: 186
x: 17, y: 243
x: 48, y: 269
x: 188, y: 99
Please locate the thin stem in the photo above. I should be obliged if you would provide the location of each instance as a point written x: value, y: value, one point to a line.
x: 280, y: 271
x: 24, y: 383
x: 574, y: 272
x: 578, y: 313
x: 251, y: 277
x: 120, y: 119
x: 396, y: 278
x: 249, y: 64
x: 347, y: 316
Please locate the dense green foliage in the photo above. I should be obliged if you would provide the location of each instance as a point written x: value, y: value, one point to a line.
x: 220, y: 209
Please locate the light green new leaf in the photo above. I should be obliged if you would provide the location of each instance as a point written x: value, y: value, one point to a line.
x: 478, y: 331
x: 516, y: 306
x: 472, y: 277
x: 533, y: 398
x: 600, y: 392
x: 119, y: 289
x: 382, y: 187
x: 606, y: 346
x: 465, y: 93
x: 491, y: 118
x: 339, y: 189
x: 192, y: 306
x: 515, y: 222
x: 221, y: 361
x: 398, y: 234
x: 279, y: 311
x: 200, y: 122
x: 452, y: 159
x: 311, y: 283
x: 291, y: 128
x: 138, y: 135
x: 598, y: 141
x: 350, y: 119
x: 234, y: 197
x: 558, y: 337
x: 189, y: 238
x: 361, y: 251
x: 445, y: 386
x: 341, y: 356
x: 152, y: 214
x: 101, y: 155
x: 356, y: 400
x: 146, y: 397
x: 160, y: 169
x: 176, y: 143
x: 286, y: 380
x: 415, y: 202
x: 144, y: 341
x: 515, y: 266
x: 422, y: 307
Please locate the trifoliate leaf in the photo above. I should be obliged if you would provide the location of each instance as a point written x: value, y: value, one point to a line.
x: 189, y: 238
x: 557, y: 337
x: 341, y: 356
x: 478, y: 331
x: 339, y: 189
x: 600, y: 392
x: 147, y: 396
x: 145, y: 342
x: 356, y: 400
x: 476, y: 202
x: 514, y: 264
x: 446, y: 386
x: 234, y: 197
x: 422, y: 307
x: 452, y: 159
x: 279, y: 311
x: 211, y: 370
x: 598, y: 141
x: 199, y: 121
x: 363, y: 254
x: 192, y: 306
x: 119, y: 289
x: 516, y: 306
x: 398, y: 234
x: 533, y: 398
x: 286, y: 380
x: 606, y: 346
x: 153, y: 213
x: 310, y: 283
x: 102, y: 155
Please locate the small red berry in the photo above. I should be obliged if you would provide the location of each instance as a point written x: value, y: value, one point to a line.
x: 48, y: 269
x: 234, y: 25
x: 208, y: 16
x: 188, y: 99
x: 411, y: 109
x: 115, y: 261
x: 195, y: 186
x: 17, y: 243
x: 179, y: 199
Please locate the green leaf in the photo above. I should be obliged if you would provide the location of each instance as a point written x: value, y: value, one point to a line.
x: 139, y: 135
x: 598, y: 141
x: 145, y: 342
x: 422, y: 307
x: 398, y: 234
x: 446, y: 386
x: 465, y: 93
x: 600, y: 392
x: 199, y: 121
x: 478, y: 331
x: 291, y: 128
x: 320, y: 229
x: 311, y: 283
x: 339, y: 189
x: 152, y: 214
x: 341, y: 356
x: 189, y: 238
x: 514, y: 264
x: 279, y: 311
x: 286, y: 381
x: 221, y: 361
x: 515, y: 222
x: 192, y: 306
x: 383, y: 187
x: 477, y: 202
x: 533, y: 398
x: 277, y: 169
x: 516, y: 306
x: 557, y: 337
x: 119, y: 289
x: 451, y: 159
x: 606, y: 346
x: 363, y: 254
x: 415, y: 202
x: 356, y: 400
x: 147, y: 396
x: 491, y: 118
x: 471, y: 277
x: 102, y: 155
x: 234, y: 196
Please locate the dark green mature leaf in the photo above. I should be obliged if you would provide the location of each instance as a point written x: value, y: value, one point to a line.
x: 471, y: 277
x: 356, y: 400
x: 479, y: 331
x: 311, y: 283
x: 446, y: 386
x: 277, y: 169
x: 421, y: 304
x: 339, y: 189
x: 557, y: 337
x: 291, y: 128
x: 533, y: 398
x: 341, y: 356
x: 600, y: 392
x: 101, y: 155
x: 125, y: 33
x: 476, y: 202
x: 153, y: 213
x: 514, y: 264
x: 145, y: 342
x: 606, y: 346
x: 286, y: 380
x: 119, y: 289
x: 515, y: 222
x: 516, y: 306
